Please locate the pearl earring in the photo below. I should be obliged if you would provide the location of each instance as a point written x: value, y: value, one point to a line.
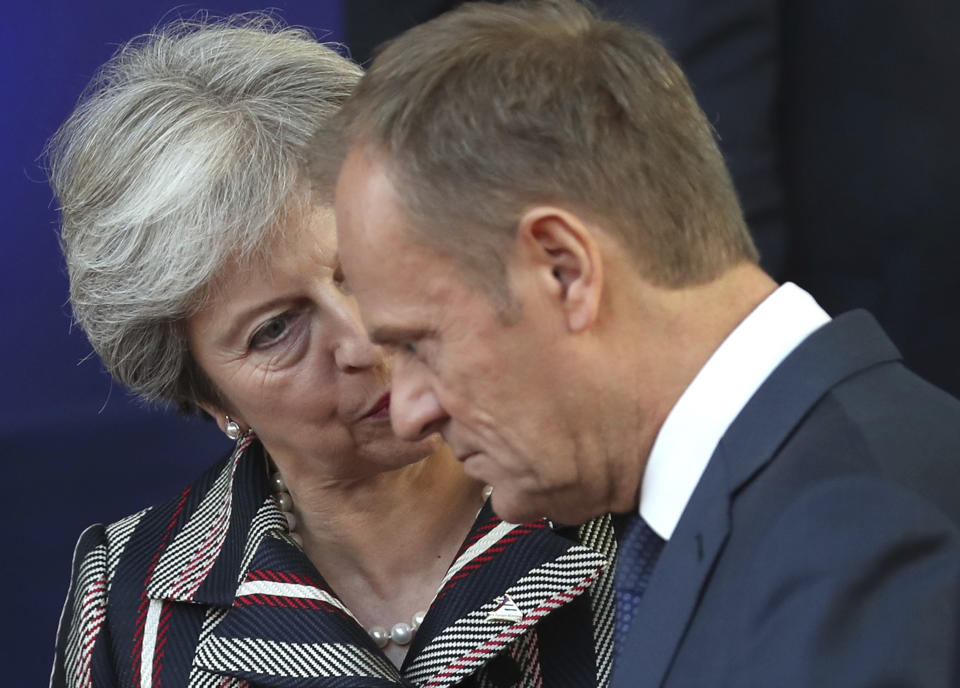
x: 232, y: 428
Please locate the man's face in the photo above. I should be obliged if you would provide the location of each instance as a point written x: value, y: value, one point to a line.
x: 496, y: 389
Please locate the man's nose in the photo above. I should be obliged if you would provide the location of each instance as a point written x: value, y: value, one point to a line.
x: 415, y: 410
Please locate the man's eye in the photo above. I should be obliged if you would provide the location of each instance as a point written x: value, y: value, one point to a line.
x: 340, y: 280
x: 410, y: 348
x: 270, y: 332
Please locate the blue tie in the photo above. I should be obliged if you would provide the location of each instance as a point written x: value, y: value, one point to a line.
x: 636, y: 557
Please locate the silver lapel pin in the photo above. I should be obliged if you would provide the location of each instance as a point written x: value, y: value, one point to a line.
x: 506, y: 610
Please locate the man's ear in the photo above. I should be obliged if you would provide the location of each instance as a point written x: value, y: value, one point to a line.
x: 567, y: 260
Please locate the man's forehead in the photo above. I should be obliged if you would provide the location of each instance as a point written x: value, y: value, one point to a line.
x: 407, y: 292
x: 393, y: 273
x: 361, y: 161
x: 368, y: 207
x: 402, y: 274
x: 363, y: 189
x: 370, y: 217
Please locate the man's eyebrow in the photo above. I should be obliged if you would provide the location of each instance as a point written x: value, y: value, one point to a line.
x: 389, y: 334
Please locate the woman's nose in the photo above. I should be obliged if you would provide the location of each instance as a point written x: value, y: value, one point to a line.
x: 354, y: 349
x: 356, y: 352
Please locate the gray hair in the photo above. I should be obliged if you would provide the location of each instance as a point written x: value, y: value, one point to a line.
x: 188, y: 149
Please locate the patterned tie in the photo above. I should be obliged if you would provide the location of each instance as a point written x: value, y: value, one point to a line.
x: 636, y: 557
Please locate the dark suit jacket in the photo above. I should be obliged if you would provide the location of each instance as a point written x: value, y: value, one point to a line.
x: 821, y: 547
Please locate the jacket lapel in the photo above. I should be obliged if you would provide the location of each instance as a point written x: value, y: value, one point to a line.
x: 286, y: 628
x: 850, y: 343
x: 272, y: 619
x: 505, y: 580
x: 206, y: 558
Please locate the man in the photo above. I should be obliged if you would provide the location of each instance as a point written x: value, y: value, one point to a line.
x: 533, y: 214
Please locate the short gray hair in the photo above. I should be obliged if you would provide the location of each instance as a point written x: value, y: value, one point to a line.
x: 188, y: 149
x: 491, y: 108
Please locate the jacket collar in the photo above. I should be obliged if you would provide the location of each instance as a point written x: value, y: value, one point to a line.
x: 279, y: 623
x: 209, y: 555
x: 505, y: 580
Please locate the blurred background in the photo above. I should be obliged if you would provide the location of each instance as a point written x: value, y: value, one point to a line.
x: 838, y: 118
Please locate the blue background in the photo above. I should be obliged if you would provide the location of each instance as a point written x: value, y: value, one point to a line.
x: 77, y: 449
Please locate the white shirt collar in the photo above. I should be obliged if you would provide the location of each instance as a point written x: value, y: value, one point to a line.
x: 716, y: 396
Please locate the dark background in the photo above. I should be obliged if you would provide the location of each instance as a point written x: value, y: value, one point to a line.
x: 838, y: 119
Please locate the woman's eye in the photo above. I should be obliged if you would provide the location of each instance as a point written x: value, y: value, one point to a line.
x: 269, y: 332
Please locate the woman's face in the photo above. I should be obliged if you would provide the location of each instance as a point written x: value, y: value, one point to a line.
x: 284, y: 345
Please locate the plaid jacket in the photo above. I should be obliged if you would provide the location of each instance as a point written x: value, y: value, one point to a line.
x: 209, y: 591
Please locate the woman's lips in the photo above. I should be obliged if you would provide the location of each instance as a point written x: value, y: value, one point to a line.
x: 381, y: 409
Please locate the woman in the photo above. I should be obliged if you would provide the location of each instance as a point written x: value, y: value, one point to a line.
x: 203, y: 268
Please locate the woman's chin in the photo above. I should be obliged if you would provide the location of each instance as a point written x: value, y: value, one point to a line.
x: 394, y: 452
x: 427, y: 447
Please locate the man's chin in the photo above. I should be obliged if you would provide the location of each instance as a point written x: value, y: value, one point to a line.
x: 515, y: 508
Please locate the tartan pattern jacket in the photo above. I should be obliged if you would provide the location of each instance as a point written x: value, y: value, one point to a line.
x: 208, y: 590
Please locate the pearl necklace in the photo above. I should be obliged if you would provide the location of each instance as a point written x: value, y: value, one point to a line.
x: 400, y: 633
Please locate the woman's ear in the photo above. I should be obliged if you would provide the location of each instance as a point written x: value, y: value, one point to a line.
x: 222, y: 418
x: 565, y: 255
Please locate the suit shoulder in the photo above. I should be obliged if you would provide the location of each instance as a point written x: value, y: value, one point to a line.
x: 886, y: 423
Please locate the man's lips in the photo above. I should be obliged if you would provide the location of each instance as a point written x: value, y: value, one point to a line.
x: 381, y: 409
